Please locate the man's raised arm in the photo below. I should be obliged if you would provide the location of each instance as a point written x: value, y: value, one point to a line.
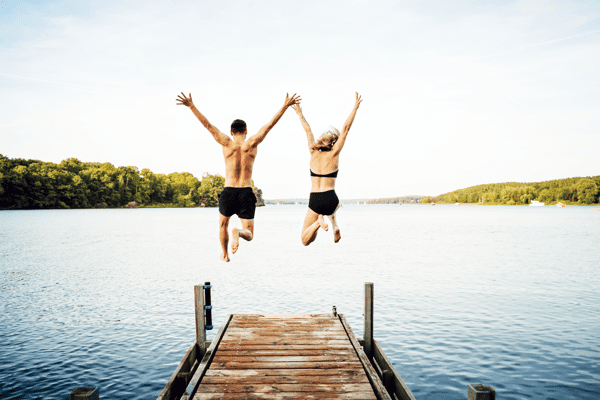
x: 255, y: 140
x: 219, y: 136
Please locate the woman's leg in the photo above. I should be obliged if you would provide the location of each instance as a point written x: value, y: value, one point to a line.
x: 337, y: 234
x: 312, y: 223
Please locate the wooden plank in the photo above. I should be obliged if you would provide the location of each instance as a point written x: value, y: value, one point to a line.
x: 303, y: 346
x: 290, y: 396
x: 283, y: 326
x: 286, y: 358
x: 323, y: 320
x: 286, y: 332
x: 283, y: 341
x: 206, y: 360
x: 282, y: 388
x: 177, y: 383
x: 288, y: 372
x: 283, y: 317
x: 284, y: 365
x: 288, y: 335
x: 398, y: 386
x: 378, y: 387
x: 317, y: 318
x: 284, y: 378
x: 327, y: 320
x: 277, y: 352
x: 275, y: 329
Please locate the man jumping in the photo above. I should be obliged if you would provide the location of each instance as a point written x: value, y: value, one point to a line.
x: 237, y: 197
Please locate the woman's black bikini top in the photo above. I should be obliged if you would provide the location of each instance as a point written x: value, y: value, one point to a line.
x: 331, y: 175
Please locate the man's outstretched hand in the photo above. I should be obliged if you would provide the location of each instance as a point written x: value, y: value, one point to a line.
x: 358, y: 100
x: 184, y: 101
x: 290, y: 101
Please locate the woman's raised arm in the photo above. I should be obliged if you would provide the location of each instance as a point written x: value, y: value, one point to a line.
x: 309, y: 135
x: 337, y: 147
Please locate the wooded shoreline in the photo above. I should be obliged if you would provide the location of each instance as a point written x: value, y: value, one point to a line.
x: 73, y: 184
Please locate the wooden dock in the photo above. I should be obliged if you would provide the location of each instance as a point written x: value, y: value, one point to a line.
x: 302, y: 356
x: 285, y: 356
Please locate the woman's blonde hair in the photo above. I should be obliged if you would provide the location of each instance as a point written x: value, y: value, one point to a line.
x: 327, y: 140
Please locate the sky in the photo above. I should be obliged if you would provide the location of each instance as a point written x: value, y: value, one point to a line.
x: 456, y: 93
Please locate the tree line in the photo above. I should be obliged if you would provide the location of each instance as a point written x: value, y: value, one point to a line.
x: 34, y: 184
x: 584, y: 190
x: 396, y: 200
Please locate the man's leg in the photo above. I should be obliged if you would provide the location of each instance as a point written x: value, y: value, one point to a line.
x: 224, y: 236
x: 246, y: 233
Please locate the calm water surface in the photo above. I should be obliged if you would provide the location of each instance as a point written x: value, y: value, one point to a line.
x: 505, y: 296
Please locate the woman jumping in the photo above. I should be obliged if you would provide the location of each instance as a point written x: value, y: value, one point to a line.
x: 324, y: 163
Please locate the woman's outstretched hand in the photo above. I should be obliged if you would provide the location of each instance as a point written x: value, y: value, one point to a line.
x: 297, y: 108
x: 184, y: 101
x: 358, y: 100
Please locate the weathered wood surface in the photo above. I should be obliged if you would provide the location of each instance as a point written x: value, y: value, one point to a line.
x: 394, y: 382
x: 375, y: 380
x: 200, y: 320
x: 368, y: 334
x: 206, y: 361
x: 180, y: 378
x: 285, y: 357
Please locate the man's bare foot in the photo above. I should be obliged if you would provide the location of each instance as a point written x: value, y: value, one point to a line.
x: 337, y: 235
x: 224, y: 257
x: 235, y: 240
x: 322, y: 223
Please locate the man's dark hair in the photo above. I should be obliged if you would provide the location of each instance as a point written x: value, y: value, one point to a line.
x: 238, y: 126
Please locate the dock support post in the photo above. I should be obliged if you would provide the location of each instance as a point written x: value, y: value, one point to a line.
x: 85, y: 393
x: 481, y: 392
x: 200, y: 319
x: 368, y: 335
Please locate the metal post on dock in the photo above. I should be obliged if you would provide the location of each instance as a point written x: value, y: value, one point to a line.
x: 481, y: 392
x: 203, y: 314
x: 85, y: 393
x: 368, y: 335
x: 208, y: 306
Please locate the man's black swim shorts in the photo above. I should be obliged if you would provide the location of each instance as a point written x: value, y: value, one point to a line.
x: 239, y: 201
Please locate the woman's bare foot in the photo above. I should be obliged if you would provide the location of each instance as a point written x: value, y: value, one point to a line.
x: 337, y: 235
x: 322, y: 223
x: 224, y: 257
x: 235, y: 240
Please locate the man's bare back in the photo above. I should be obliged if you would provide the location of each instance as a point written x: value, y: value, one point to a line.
x: 237, y: 196
x: 239, y: 162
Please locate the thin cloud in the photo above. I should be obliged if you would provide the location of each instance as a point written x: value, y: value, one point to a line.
x: 530, y: 46
x: 51, y: 82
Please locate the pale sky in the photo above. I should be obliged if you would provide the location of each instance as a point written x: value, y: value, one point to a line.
x: 456, y: 93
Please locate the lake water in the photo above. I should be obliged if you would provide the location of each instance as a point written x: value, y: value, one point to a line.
x: 504, y: 296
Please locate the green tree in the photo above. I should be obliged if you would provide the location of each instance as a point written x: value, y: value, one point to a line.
x: 587, y: 191
x: 210, y: 188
